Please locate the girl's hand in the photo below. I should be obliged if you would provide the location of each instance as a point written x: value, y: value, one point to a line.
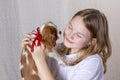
x: 39, y: 54
x: 27, y: 41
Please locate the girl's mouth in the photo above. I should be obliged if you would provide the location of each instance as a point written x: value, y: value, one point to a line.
x: 69, y: 40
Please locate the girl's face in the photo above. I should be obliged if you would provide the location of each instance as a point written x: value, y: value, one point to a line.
x: 76, y: 35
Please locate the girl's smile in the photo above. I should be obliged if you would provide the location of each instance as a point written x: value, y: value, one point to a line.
x: 68, y: 40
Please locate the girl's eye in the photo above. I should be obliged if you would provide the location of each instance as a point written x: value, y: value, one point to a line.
x: 78, y: 35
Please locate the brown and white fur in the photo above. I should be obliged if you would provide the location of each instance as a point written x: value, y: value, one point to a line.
x: 28, y: 68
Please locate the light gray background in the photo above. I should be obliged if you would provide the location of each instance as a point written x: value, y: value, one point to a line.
x: 18, y: 17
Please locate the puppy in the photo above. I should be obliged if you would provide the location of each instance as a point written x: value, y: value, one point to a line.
x: 48, y: 34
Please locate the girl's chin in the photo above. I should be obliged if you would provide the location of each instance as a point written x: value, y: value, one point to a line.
x: 68, y: 45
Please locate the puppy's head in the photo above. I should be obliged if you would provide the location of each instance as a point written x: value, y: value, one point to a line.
x: 50, y: 34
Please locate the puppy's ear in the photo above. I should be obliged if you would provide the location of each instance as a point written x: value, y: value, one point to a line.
x: 49, y: 40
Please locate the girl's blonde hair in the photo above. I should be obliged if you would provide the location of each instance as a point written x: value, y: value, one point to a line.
x: 97, y: 24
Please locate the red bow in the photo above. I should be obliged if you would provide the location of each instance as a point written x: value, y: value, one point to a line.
x: 38, y: 38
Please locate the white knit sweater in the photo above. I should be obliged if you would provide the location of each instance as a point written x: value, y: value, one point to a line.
x: 91, y: 68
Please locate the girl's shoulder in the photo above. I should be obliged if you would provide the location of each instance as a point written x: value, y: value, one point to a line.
x: 95, y: 56
x: 93, y: 62
x: 93, y: 59
x: 91, y: 68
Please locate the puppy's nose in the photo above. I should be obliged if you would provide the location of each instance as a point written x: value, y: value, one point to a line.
x: 60, y: 32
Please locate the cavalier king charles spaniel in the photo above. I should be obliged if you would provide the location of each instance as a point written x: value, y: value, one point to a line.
x: 47, y: 35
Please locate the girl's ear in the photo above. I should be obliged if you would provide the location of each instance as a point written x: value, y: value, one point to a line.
x: 94, y: 41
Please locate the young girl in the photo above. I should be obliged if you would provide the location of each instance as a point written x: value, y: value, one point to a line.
x: 88, y: 41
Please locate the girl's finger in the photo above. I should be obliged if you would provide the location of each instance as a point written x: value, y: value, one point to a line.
x: 25, y: 43
x: 42, y: 46
x: 26, y: 40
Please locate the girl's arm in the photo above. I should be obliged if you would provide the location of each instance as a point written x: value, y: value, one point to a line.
x: 43, y: 69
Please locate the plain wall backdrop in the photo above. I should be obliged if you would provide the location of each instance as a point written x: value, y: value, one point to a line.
x: 18, y: 17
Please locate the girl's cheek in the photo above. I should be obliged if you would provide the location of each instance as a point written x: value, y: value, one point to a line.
x: 80, y: 42
x: 65, y: 32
